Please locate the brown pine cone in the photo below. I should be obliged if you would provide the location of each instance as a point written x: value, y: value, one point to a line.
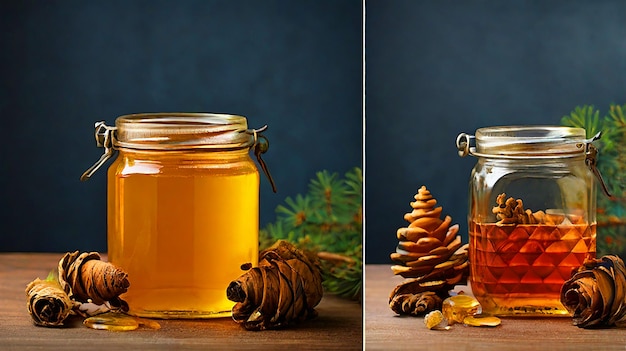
x: 596, y: 293
x: 511, y: 211
x: 415, y: 304
x: 48, y: 305
x: 284, y: 289
x: 430, y: 254
x: 426, y: 288
x: 85, y: 278
x: 428, y: 241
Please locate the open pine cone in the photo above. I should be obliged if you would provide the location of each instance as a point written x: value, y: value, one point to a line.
x: 511, y: 211
x: 85, y: 278
x: 48, y: 304
x: 282, y: 290
x: 596, y: 293
x: 430, y: 254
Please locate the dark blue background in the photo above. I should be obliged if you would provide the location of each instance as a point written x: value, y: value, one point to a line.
x: 294, y: 65
x: 438, y: 68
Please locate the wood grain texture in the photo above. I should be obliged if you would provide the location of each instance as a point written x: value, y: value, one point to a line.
x: 338, y: 326
x: 384, y: 330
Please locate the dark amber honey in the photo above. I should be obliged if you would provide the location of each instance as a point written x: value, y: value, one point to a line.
x: 520, y: 268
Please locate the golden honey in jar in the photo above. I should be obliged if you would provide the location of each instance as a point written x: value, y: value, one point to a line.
x: 183, y: 204
x: 531, y: 215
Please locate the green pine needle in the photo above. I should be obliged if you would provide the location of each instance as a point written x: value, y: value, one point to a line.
x: 586, y: 117
x: 327, y: 219
x: 611, y: 215
x: 296, y: 211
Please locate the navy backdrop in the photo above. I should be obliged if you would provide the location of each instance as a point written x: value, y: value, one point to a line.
x: 438, y: 68
x: 294, y: 65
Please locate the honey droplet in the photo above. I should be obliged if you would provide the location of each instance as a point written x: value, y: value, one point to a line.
x: 487, y: 321
x: 149, y: 323
x: 456, y: 308
x: 113, y: 321
x: 435, y: 320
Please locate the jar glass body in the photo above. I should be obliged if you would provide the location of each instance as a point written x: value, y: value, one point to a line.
x: 181, y: 223
x: 531, y: 222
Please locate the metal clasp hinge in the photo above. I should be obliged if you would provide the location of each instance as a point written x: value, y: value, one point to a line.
x: 464, y: 144
x: 104, y: 138
x: 591, y: 160
x: 261, y: 145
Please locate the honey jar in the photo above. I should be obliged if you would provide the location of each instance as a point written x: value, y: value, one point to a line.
x: 531, y: 217
x: 182, y: 208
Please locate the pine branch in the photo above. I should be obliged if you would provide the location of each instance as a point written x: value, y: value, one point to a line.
x: 328, y: 221
x: 587, y: 117
x: 612, y: 165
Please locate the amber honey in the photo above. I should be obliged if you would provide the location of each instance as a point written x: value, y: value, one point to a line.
x: 182, y: 225
x: 182, y: 208
x: 519, y: 269
x: 532, y: 214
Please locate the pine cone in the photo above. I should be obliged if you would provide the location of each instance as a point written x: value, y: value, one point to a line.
x: 415, y: 304
x: 48, y: 305
x: 85, y: 278
x: 596, y: 293
x: 282, y: 290
x: 511, y: 211
x: 431, y: 254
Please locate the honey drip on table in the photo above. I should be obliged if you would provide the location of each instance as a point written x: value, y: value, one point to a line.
x: 117, y: 321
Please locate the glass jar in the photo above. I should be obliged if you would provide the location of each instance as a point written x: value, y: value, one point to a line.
x: 532, y: 215
x: 182, y: 208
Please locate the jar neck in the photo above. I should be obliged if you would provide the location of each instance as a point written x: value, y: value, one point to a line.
x: 221, y: 156
x: 533, y: 162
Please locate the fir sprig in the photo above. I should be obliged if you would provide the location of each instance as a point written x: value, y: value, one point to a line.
x: 611, y: 163
x: 587, y: 117
x: 326, y: 220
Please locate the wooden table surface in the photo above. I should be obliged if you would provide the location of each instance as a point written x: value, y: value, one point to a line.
x: 339, y: 325
x: 384, y: 330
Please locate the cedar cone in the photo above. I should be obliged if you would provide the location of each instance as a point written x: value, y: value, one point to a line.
x: 48, y: 305
x: 596, y: 293
x: 415, y: 304
x: 430, y: 254
x: 85, y: 278
x: 282, y: 290
x: 511, y: 211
